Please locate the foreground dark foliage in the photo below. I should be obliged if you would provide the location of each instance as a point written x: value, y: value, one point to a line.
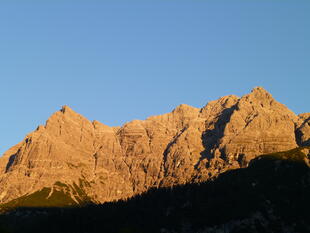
x: 271, y: 195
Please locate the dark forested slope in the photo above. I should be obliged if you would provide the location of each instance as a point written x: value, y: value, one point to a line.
x: 271, y: 195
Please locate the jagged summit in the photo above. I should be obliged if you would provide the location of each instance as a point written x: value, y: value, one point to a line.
x: 259, y: 96
x: 64, y: 112
x: 66, y: 109
x: 187, y: 145
x: 261, y: 91
x: 215, y: 107
x: 185, y: 108
x: 304, y: 116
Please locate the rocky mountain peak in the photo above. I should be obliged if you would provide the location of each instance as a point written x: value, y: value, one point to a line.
x: 304, y: 116
x: 261, y: 102
x: 260, y: 91
x: 66, y: 109
x: 184, y: 109
x: 258, y: 97
x: 216, y: 107
x: 66, y: 122
x: 185, y: 145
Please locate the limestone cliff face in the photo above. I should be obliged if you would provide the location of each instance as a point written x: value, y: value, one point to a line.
x: 303, y: 130
x: 258, y: 125
x: 186, y: 145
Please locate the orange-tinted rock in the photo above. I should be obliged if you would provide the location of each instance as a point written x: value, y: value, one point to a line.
x: 186, y: 145
x: 303, y: 130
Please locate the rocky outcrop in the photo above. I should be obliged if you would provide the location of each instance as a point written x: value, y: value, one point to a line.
x: 186, y: 145
x: 303, y: 130
x: 258, y: 125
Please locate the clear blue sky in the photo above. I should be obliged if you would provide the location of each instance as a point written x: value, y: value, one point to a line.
x: 115, y: 61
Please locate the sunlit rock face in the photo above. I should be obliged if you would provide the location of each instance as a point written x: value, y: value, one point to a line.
x: 187, y: 145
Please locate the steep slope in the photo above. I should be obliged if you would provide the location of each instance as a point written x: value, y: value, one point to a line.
x: 66, y: 149
x: 258, y: 125
x: 303, y: 130
x: 59, y: 195
x: 270, y: 195
x: 184, y: 146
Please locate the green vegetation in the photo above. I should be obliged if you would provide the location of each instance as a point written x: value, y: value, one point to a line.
x: 58, y: 183
x: 58, y: 196
x: 84, y: 183
x: 41, y: 199
x: 295, y: 155
x: 80, y: 195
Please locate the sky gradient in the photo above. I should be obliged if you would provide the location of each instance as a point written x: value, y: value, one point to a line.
x: 115, y: 61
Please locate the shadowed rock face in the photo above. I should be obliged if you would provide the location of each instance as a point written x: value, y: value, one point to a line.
x: 186, y: 145
x: 303, y: 130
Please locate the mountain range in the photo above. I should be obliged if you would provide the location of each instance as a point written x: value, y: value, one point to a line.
x: 71, y: 161
x: 271, y: 195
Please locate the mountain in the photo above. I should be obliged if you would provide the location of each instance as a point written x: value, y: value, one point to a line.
x: 270, y: 195
x: 85, y: 161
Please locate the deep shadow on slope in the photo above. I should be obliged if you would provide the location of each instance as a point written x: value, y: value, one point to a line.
x: 211, y: 138
x: 275, y: 187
